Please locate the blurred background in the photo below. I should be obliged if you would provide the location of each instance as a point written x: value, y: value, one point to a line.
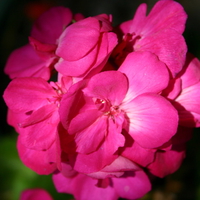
x: 16, y: 19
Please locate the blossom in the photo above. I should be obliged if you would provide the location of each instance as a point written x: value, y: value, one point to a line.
x: 123, y: 104
x: 36, y: 108
x: 169, y: 159
x: 184, y: 93
x: 160, y: 32
x: 35, y: 194
x: 112, y: 102
x: 122, y: 178
x: 85, y: 46
x: 37, y: 58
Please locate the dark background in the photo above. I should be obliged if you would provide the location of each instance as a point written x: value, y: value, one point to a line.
x: 16, y: 18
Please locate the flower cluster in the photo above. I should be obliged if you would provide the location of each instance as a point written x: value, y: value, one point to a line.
x: 101, y: 107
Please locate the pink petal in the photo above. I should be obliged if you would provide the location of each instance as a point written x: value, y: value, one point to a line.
x: 83, y: 120
x: 79, y: 39
x: 35, y: 194
x: 189, y: 98
x: 63, y: 183
x: 111, y: 85
x: 45, y: 120
x: 133, y: 185
x: 137, y: 154
x: 187, y: 118
x: 121, y: 164
x: 105, y: 175
x: 153, y: 120
x: 83, y: 187
x: 67, y: 170
x: 145, y: 73
x: 38, y: 161
x: 72, y: 99
x: 77, y: 67
x: 106, y: 45
x: 167, y: 162
x: 90, y: 137
x: 14, y: 119
x: 166, y: 19
x: 48, y: 28
x: 166, y: 14
x: 159, y: 44
x: 91, y: 63
x: 30, y: 94
x: 89, y: 163
x: 105, y: 21
x: 174, y: 89
x: 44, y: 51
x: 104, y: 155
x: 190, y: 75
x: 136, y: 24
x: 24, y: 62
x: 115, y: 169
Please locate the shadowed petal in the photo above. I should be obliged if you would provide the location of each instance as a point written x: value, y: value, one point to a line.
x: 38, y: 161
x: 35, y: 194
x: 50, y: 25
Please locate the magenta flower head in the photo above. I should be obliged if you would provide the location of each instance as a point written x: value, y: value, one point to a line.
x: 122, y: 107
x: 37, y: 58
x: 113, y: 103
x: 184, y: 92
x: 35, y: 194
x: 160, y: 32
x: 122, y: 178
x: 34, y: 114
x: 85, y: 46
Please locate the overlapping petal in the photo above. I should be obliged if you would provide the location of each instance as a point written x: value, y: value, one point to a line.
x: 38, y: 161
x: 89, y: 43
x: 152, y: 120
x: 35, y: 194
x: 50, y: 25
x: 109, y: 85
x: 24, y: 62
x: 167, y: 162
x: 84, y: 34
x: 29, y: 94
x: 84, y: 187
x: 46, y: 120
x: 145, y: 73
x: 151, y: 33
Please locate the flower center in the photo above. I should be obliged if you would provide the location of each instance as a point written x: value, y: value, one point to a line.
x: 59, y: 93
x: 106, y: 107
x: 124, y: 47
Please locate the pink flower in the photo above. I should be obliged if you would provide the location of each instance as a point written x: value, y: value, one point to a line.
x: 37, y: 58
x: 34, y: 114
x: 84, y: 47
x: 160, y: 33
x: 184, y: 93
x: 120, y: 179
x: 35, y: 194
x: 114, y: 102
x: 167, y: 162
